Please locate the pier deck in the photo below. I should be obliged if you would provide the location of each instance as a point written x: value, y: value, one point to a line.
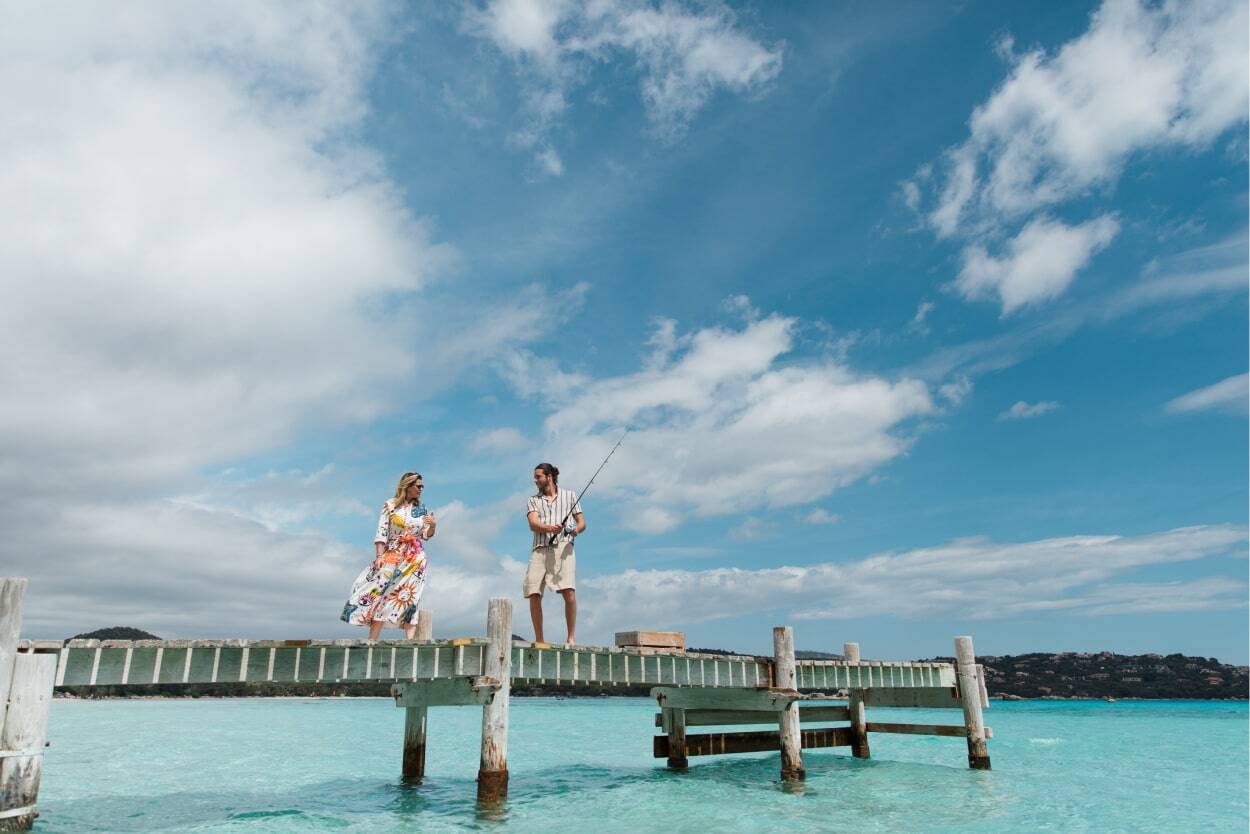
x: 145, y: 662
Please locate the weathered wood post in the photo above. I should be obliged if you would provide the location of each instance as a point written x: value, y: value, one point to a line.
x: 859, y: 721
x: 675, y: 728
x: 11, y: 593
x: 415, y: 718
x: 492, y: 772
x: 414, y: 743
x: 970, y: 699
x: 425, y: 625
x: 788, y: 719
x: 23, y: 738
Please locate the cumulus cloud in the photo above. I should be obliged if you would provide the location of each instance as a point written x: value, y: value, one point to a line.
x: 1141, y: 79
x: 1231, y: 395
x: 197, y: 263
x: 683, y: 56
x: 964, y: 578
x: 1039, y: 264
x: 728, y: 408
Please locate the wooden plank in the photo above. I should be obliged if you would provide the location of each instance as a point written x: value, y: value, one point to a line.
x: 723, y: 717
x: 948, y: 730
x: 445, y: 692
x: 724, y: 698
x: 653, y: 639
x: 715, y: 744
x: 911, y: 696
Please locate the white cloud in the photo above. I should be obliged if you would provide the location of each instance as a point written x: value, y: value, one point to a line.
x: 1232, y: 395
x: 917, y: 323
x: 731, y: 408
x: 682, y: 55
x: 1142, y: 78
x: 1041, y: 261
x: 196, y: 260
x: 822, y: 516
x: 499, y: 441
x: 955, y: 392
x: 1024, y: 411
x: 965, y: 578
x: 1166, y: 286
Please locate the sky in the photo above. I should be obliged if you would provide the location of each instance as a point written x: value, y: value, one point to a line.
x: 924, y: 318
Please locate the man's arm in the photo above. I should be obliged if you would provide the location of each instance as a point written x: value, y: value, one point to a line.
x: 580, y: 518
x: 538, y: 527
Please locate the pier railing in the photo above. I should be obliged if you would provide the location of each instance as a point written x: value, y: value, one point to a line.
x: 692, y: 689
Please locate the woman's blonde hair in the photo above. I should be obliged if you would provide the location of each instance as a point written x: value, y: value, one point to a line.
x: 401, y: 489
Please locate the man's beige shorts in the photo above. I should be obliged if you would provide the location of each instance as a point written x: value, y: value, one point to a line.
x: 554, y: 566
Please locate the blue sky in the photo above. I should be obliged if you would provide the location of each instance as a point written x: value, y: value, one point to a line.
x: 926, y: 319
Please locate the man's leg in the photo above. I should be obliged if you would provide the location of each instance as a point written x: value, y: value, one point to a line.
x: 536, y: 616
x: 570, y: 612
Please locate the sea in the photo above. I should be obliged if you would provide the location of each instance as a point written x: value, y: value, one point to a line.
x: 585, y: 765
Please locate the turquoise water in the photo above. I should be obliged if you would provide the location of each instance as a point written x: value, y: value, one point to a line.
x: 299, y: 765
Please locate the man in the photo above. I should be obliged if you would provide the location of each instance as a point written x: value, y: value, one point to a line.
x: 552, y: 512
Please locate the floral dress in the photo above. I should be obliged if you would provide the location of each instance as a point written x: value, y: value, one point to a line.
x: 389, y: 589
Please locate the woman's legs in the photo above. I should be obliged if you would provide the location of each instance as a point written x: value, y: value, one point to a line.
x: 375, y: 629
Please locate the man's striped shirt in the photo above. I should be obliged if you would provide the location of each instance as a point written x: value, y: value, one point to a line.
x: 553, y: 511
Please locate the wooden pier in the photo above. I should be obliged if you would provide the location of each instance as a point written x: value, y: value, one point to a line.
x: 691, y: 689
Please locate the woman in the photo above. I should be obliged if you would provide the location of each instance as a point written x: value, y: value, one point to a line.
x: 387, y: 592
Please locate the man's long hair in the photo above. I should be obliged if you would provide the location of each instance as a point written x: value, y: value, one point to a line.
x: 551, y: 472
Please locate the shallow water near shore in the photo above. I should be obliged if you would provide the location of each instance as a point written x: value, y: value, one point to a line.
x: 299, y: 765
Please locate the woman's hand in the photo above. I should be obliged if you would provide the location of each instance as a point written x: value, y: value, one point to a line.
x: 430, y: 524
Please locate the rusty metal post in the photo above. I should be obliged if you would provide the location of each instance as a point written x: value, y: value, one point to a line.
x: 492, y: 773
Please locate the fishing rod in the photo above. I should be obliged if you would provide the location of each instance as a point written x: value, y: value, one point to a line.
x: 578, y: 502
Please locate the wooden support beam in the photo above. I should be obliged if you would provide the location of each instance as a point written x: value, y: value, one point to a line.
x: 859, y: 730
x: 722, y: 717
x: 949, y: 730
x: 425, y: 625
x: 414, y: 743
x: 445, y: 692
x: 970, y: 696
x: 23, y: 739
x: 492, y: 772
x: 942, y: 697
x: 772, y: 700
x: 11, y: 593
x: 675, y: 729
x: 715, y: 744
x: 788, y: 718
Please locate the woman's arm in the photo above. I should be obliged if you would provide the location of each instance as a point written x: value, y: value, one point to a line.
x: 427, y: 532
x: 384, y: 527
